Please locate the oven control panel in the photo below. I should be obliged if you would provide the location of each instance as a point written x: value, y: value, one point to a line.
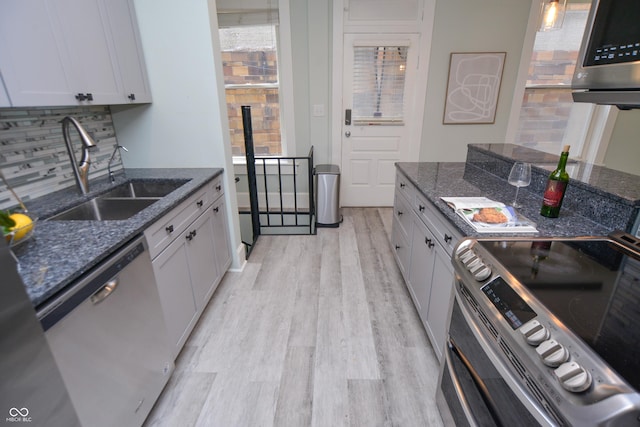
x: 570, y: 374
x: 474, y: 264
x: 545, y: 354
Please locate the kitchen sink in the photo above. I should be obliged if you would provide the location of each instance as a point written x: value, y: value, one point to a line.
x: 104, y: 209
x: 145, y: 188
x: 121, y: 202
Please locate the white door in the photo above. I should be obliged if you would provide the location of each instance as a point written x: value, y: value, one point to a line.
x: 379, y: 76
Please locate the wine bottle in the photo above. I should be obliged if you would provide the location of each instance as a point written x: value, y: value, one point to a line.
x: 556, y: 187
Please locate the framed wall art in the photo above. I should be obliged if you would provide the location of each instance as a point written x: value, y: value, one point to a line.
x: 473, y: 87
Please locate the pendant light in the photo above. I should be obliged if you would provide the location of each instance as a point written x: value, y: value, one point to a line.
x: 552, y: 14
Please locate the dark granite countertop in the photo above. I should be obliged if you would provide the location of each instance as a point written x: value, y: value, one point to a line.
x: 59, y: 252
x: 436, y: 180
x: 598, y: 179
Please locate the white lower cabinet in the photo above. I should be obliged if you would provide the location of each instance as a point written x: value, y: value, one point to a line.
x: 440, y: 301
x: 420, y: 274
x: 424, y: 258
x: 221, y: 233
x: 191, y: 265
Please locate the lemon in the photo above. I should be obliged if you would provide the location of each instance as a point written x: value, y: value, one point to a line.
x: 23, y: 226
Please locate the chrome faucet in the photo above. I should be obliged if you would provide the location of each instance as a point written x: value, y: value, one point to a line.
x: 80, y: 170
x: 115, y: 150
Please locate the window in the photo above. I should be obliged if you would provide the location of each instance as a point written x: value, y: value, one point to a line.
x: 378, y: 83
x: 548, y: 116
x: 250, y: 63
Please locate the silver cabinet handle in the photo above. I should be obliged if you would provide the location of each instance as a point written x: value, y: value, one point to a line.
x: 105, y: 291
x: 347, y: 134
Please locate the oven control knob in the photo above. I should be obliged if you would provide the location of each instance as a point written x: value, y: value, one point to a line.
x: 462, y: 249
x: 573, y: 377
x: 481, y: 273
x: 552, y: 353
x: 474, y: 263
x: 534, y: 332
x: 467, y: 256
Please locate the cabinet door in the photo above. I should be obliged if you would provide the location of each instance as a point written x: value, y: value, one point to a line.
x: 221, y: 236
x: 171, y: 269
x: 33, y: 57
x: 83, y: 24
x: 421, y: 272
x: 440, y: 300
x: 202, y: 263
x: 128, y: 49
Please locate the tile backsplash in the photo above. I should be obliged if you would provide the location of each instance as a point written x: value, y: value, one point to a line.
x: 34, y: 157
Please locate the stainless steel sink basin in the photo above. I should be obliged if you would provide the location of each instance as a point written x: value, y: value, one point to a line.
x: 121, y: 202
x: 145, y: 188
x: 104, y: 209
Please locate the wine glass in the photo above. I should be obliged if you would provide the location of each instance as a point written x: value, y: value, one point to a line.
x: 520, y: 176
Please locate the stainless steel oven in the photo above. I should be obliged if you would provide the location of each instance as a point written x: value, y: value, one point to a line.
x: 544, y: 332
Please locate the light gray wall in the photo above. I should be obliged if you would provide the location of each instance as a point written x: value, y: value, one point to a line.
x: 319, y: 24
x: 471, y: 26
x: 186, y: 125
x: 623, y: 152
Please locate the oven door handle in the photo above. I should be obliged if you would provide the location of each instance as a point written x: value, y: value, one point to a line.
x: 480, y: 385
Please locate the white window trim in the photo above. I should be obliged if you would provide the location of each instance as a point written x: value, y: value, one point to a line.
x: 595, y: 140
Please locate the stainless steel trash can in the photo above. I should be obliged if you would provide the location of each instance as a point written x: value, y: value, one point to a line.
x: 327, y: 182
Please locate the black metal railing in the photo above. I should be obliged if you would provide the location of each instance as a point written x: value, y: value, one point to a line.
x: 280, y: 189
x: 286, y: 194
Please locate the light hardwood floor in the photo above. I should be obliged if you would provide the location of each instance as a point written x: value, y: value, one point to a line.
x: 316, y: 331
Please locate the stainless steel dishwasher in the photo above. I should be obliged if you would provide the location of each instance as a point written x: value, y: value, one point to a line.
x: 108, y: 337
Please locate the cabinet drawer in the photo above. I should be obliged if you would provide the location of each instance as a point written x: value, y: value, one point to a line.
x: 445, y: 234
x: 217, y: 188
x: 405, y: 187
x: 163, y: 231
x: 401, y: 249
x: 402, y: 214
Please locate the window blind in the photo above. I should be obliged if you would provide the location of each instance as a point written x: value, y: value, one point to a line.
x: 378, y: 84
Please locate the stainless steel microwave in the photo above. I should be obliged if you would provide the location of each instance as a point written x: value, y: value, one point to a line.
x: 608, y: 67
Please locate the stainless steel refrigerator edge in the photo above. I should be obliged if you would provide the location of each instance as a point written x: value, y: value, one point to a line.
x: 32, y: 389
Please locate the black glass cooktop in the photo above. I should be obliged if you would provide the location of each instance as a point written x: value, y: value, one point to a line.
x: 592, y: 286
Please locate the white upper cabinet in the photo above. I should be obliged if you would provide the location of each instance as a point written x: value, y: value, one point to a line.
x: 71, y: 52
x: 128, y: 49
x: 30, y: 58
x: 87, y: 36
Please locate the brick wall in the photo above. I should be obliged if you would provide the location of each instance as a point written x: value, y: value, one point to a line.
x: 545, y: 112
x: 250, y: 68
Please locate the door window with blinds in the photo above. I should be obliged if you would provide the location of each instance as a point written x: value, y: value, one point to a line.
x: 378, y: 84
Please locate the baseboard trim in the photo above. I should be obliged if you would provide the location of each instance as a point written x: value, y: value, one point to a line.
x: 239, y: 261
